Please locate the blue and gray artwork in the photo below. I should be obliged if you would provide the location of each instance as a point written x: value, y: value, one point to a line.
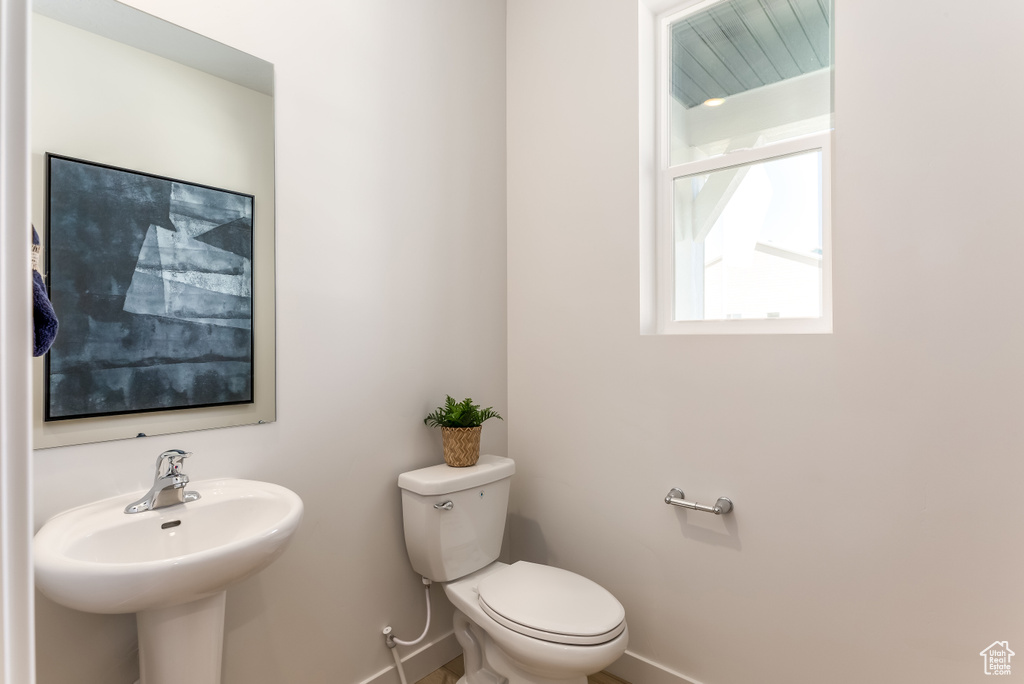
x: 151, y: 280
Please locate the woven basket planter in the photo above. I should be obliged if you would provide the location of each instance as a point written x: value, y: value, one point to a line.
x: 461, y: 446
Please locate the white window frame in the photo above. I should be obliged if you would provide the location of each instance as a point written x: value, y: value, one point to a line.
x: 665, y: 266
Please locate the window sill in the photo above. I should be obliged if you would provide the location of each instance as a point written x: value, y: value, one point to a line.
x: 763, y: 326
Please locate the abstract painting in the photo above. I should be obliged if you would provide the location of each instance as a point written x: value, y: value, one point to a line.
x: 151, y: 279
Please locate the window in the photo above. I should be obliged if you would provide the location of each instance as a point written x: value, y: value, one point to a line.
x: 744, y: 141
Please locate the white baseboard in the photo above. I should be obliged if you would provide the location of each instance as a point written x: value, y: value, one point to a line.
x: 639, y: 670
x: 420, y: 662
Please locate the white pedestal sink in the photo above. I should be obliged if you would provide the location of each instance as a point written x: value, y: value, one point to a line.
x: 171, y: 566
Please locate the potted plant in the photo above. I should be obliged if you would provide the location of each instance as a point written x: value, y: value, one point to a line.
x: 461, y: 423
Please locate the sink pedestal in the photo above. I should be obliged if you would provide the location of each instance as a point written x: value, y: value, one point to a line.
x: 182, y: 643
x: 169, y: 566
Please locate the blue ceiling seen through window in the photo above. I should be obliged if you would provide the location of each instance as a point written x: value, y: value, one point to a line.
x: 738, y: 45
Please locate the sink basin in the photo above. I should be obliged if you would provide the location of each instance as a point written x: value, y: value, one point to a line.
x: 170, y: 566
x: 98, y: 559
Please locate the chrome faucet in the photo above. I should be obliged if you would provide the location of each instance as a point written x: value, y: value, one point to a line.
x: 169, y: 487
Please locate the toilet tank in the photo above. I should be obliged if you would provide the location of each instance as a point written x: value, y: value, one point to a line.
x: 447, y: 543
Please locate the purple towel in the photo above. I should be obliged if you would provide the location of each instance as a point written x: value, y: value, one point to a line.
x: 43, y: 317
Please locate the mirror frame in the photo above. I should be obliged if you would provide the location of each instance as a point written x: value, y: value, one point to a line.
x: 136, y: 29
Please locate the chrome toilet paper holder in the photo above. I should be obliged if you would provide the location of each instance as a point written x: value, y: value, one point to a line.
x: 675, y: 497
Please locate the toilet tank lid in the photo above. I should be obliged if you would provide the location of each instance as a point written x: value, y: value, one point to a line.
x: 444, y: 479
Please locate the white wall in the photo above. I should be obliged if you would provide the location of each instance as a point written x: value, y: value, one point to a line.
x: 17, y: 611
x: 876, y: 471
x: 391, y: 290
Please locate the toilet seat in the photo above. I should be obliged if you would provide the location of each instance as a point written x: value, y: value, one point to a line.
x: 551, y: 604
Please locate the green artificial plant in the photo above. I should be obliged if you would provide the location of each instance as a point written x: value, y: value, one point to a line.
x: 460, y: 414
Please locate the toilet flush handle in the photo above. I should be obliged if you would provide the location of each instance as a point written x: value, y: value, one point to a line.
x: 446, y: 505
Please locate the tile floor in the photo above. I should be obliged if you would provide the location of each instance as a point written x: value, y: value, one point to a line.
x: 450, y: 673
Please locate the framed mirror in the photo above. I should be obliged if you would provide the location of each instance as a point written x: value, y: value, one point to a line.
x: 153, y: 177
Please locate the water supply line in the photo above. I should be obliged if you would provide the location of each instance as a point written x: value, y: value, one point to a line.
x: 392, y: 641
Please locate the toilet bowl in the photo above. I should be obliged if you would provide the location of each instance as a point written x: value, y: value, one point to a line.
x: 523, y: 623
x: 521, y: 651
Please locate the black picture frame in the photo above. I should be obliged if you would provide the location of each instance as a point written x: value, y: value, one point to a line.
x: 151, y: 279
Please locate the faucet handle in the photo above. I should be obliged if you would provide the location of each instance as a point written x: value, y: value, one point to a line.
x: 168, y: 464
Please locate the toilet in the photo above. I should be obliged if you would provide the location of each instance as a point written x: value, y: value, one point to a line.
x: 523, y: 623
